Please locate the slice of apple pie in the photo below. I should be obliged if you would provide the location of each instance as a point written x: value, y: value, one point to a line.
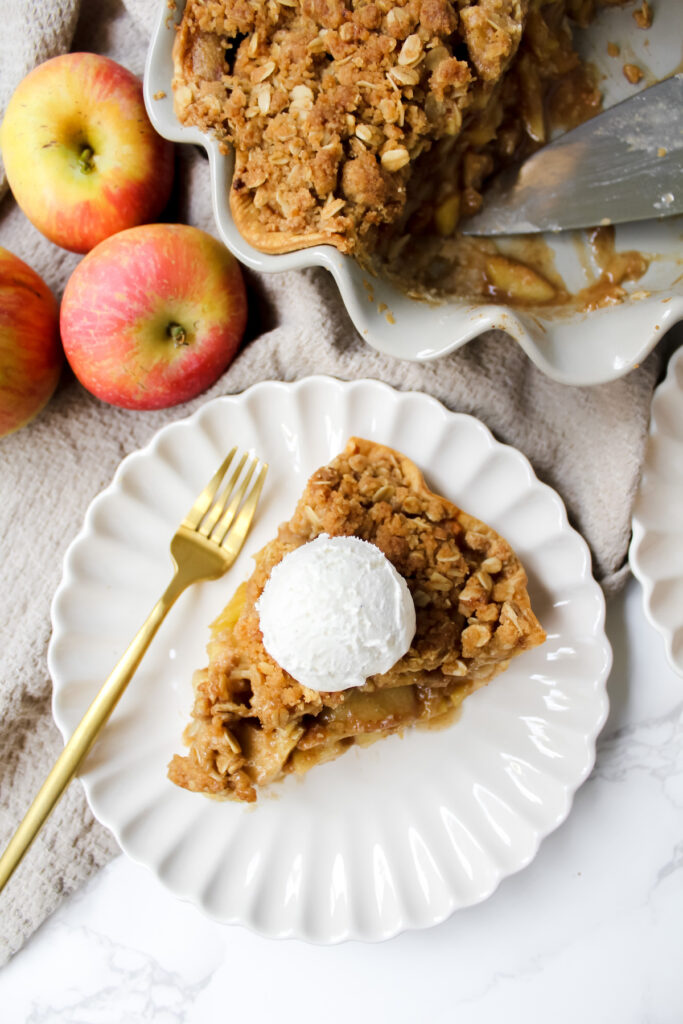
x: 252, y: 722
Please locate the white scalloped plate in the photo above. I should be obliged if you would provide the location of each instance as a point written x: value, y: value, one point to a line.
x: 573, y: 348
x: 656, y: 552
x: 395, y: 836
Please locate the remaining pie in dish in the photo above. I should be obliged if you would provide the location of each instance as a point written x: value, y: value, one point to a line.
x: 328, y: 104
x: 372, y: 125
x: 252, y: 723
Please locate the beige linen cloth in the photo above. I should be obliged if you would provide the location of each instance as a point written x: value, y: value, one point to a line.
x: 585, y: 442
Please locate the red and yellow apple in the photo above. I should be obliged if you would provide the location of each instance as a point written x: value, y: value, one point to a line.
x: 153, y: 316
x: 30, y: 354
x: 81, y: 156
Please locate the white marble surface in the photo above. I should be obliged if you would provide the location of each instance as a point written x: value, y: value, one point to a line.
x: 590, y: 932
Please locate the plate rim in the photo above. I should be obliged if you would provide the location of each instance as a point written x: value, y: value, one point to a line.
x: 669, y: 385
x: 599, y: 683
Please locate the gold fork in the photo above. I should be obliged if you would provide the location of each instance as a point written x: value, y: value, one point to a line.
x: 203, y: 547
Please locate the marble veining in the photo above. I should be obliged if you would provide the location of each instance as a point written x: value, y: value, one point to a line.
x: 591, y: 931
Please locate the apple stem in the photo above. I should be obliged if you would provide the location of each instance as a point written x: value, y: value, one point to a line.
x: 85, y: 160
x: 177, y: 332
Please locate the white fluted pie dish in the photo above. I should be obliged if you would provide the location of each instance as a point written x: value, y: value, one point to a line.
x: 576, y: 348
x: 656, y: 551
x: 395, y: 836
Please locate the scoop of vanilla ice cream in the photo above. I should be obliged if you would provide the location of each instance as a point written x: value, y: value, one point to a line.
x: 335, y: 611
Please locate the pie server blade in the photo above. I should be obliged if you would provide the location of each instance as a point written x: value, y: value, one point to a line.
x: 625, y: 164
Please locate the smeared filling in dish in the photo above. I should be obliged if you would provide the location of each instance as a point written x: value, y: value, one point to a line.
x: 252, y: 722
x: 373, y: 126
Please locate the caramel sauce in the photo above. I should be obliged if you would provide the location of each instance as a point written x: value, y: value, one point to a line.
x: 574, y: 99
x: 530, y: 262
x: 616, y: 268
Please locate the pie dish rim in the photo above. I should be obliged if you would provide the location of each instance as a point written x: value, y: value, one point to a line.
x: 610, y: 342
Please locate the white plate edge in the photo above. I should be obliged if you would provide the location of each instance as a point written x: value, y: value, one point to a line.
x: 639, y: 532
x: 586, y: 580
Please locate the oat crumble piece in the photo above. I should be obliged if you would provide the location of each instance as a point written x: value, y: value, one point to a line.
x: 643, y: 15
x: 633, y: 73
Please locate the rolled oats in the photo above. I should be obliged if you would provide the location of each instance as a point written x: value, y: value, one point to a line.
x: 265, y: 71
x: 411, y: 51
x: 301, y: 98
x: 263, y: 99
x: 395, y: 159
x: 404, y: 76
x: 364, y: 132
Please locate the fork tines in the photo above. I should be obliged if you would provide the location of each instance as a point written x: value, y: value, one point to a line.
x: 215, y: 510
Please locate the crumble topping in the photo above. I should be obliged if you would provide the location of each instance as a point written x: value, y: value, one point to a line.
x: 329, y: 104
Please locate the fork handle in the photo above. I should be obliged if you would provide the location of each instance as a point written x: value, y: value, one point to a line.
x: 86, y: 732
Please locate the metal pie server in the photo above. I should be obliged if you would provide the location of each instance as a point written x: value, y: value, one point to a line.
x: 625, y: 164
